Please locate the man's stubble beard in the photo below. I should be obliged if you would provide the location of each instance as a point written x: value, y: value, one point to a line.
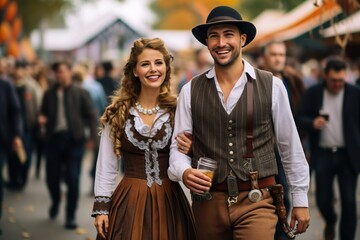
x: 234, y: 56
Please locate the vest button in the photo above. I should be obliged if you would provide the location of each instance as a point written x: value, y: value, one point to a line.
x: 230, y: 121
x: 150, y: 140
x: 230, y: 135
x: 229, y: 128
x: 231, y: 160
x: 231, y: 152
x: 231, y: 144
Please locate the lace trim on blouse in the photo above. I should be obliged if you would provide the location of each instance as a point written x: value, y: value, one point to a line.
x: 150, y: 147
x: 101, y: 206
x: 145, y: 129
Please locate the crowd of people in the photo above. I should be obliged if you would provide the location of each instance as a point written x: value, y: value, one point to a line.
x: 51, y: 111
x: 158, y: 118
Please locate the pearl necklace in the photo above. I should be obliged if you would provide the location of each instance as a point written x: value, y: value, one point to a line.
x: 146, y: 111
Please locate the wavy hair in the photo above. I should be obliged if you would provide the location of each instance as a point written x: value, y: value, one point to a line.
x: 125, y: 97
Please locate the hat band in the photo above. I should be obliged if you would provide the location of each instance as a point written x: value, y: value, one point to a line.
x: 223, y: 18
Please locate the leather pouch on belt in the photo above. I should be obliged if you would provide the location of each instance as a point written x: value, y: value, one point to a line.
x: 277, y: 193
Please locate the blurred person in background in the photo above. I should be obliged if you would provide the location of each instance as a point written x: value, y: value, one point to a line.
x: 95, y: 89
x: 274, y: 61
x: 356, y: 70
x: 107, y: 81
x: 29, y: 106
x: 202, y: 62
x: 41, y: 75
x: 98, y: 97
x: 10, y: 129
x: 65, y: 113
x: 330, y: 112
x: 312, y: 71
x: 98, y: 71
x: 4, y: 69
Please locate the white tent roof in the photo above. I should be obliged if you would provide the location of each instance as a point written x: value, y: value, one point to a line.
x: 294, y: 23
x: 176, y: 39
x: 350, y: 24
x: 74, y: 37
x: 92, y: 18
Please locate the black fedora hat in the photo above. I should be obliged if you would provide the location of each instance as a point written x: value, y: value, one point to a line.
x: 221, y: 15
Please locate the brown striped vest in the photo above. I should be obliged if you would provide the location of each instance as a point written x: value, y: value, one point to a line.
x: 221, y: 136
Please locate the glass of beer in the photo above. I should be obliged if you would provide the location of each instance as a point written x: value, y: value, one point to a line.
x: 207, y: 166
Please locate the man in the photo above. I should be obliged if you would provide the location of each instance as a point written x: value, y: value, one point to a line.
x: 330, y: 111
x: 29, y: 107
x: 66, y: 111
x: 107, y: 81
x: 274, y: 61
x: 202, y: 63
x: 98, y: 97
x: 274, y: 57
x: 10, y: 127
x: 214, y: 108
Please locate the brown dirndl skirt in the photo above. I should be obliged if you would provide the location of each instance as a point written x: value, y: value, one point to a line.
x: 159, y: 212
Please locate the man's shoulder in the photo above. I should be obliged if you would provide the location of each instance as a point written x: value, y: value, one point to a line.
x: 263, y: 71
x: 200, y: 76
x: 5, y: 83
x: 262, y: 74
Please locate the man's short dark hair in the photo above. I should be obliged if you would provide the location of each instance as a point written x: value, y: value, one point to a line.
x: 107, y: 66
x: 335, y: 63
x: 55, y: 66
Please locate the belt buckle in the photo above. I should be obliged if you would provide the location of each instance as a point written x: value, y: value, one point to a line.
x: 255, y: 195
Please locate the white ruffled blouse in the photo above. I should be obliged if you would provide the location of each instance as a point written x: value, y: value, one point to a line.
x: 107, y: 167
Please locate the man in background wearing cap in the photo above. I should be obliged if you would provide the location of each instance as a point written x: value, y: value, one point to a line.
x: 252, y: 107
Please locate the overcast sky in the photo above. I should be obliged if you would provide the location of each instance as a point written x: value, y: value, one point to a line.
x: 135, y: 12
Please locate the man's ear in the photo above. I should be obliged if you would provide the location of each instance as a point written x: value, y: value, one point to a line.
x: 243, y: 39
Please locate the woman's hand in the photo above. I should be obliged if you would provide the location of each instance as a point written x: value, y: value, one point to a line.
x: 102, y: 225
x: 184, y: 143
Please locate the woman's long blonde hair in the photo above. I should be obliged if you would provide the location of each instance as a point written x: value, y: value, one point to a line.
x: 125, y: 97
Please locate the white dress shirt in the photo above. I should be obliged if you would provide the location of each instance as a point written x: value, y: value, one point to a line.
x: 288, y: 141
x: 332, y: 135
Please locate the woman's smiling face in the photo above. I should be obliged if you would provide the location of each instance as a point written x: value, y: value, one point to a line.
x: 150, y: 68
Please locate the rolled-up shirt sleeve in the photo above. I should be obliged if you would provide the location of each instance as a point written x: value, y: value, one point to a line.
x: 290, y: 148
x: 179, y: 162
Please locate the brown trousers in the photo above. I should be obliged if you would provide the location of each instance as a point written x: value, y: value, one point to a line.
x: 243, y: 220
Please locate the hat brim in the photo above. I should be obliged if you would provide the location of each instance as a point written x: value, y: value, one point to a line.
x: 200, y: 31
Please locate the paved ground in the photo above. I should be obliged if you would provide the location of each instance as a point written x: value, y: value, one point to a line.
x: 25, y: 214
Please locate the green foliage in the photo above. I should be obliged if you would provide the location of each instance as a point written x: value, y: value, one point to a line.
x: 191, y: 12
x: 253, y: 8
x: 34, y: 11
x: 184, y: 14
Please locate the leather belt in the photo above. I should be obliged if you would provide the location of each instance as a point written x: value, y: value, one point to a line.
x: 332, y: 149
x: 244, y: 185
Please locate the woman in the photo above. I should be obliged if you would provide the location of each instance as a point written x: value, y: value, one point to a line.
x: 137, y: 126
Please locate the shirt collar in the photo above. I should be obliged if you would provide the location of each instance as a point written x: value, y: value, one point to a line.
x: 247, y: 69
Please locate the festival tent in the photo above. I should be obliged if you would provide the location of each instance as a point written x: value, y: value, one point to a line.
x: 349, y: 25
x: 303, y: 19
